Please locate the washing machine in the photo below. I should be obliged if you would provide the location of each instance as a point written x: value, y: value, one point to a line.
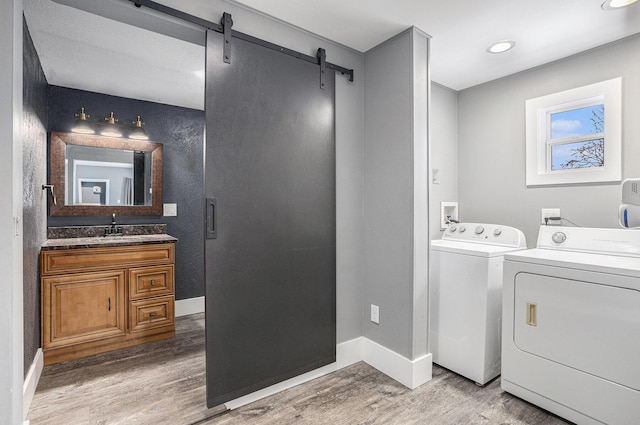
x: 466, y: 297
x: 571, y: 324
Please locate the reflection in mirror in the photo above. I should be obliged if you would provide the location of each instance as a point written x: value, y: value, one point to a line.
x: 102, y: 176
x: 98, y: 175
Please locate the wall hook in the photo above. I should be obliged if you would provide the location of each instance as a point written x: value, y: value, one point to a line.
x: 52, y: 191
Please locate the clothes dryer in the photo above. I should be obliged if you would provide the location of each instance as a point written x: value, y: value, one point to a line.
x: 571, y: 324
x: 466, y: 297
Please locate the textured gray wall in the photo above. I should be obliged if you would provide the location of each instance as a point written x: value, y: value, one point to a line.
x: 393, y: 158
x: 492, y: 143
x: 444, y: 153
x: 181, y: 131
x: 34, y: 214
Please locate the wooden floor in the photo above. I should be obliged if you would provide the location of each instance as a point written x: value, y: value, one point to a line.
x: 164, y: 383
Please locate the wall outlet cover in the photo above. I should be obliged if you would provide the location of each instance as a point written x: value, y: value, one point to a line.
x: 375, y: 314
x: 549, y: 212
x: 170, y: 210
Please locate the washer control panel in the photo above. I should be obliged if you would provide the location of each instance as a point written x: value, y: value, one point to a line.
x: 493, y: 234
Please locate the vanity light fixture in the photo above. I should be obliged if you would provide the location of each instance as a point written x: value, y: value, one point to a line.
x: 616, y: 4
x: 138, y: 132
x: 82, y: 124
x: 501, y: 46
x: 111, y: 129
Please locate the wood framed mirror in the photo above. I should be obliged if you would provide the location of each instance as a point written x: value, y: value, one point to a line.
x: 96, y: 175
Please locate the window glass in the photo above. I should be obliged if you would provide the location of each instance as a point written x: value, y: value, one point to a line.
x: 577, y: 122
x: 577, y: 155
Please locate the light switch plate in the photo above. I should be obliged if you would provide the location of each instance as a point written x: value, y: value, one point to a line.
x: 170, y: 210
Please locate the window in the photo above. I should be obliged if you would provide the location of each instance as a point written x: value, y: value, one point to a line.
x: 575, y: 136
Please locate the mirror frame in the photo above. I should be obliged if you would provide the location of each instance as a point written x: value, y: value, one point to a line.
x: 58, y: 143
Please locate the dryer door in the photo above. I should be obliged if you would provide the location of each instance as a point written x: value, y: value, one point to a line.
x: 587, y: 326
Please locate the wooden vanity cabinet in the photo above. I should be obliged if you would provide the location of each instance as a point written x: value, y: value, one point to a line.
x: 104, y: 298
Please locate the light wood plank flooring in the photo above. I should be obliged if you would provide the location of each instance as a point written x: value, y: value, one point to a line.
x: 164, y: 383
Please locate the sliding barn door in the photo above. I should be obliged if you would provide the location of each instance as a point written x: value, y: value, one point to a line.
x: 270, y: 248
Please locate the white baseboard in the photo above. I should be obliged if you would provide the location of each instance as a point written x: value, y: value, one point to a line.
x: 189, y: 306
x: 31, y: 383
x: 410, y: 373
x: 347, y: 353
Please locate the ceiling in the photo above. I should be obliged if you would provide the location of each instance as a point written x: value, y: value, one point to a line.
x: 87, y: 51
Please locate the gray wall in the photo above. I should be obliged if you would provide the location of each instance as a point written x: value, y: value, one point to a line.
x: 444, y: 153
x: 492, y: 142
x: 392, y: 159
x: 34, y: 144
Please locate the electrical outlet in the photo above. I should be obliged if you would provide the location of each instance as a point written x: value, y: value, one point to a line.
x: 375, y: 314
x: 549, y: 212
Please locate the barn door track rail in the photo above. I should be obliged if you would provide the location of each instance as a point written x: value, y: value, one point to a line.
x: 225, y: 28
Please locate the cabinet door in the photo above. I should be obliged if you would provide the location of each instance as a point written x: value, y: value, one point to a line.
x: 82, y: 307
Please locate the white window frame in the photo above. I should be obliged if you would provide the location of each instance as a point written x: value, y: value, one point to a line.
x: 538, y: 134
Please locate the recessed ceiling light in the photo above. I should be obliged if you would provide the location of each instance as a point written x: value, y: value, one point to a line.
x: 501, y: 46
x: 616, y: 4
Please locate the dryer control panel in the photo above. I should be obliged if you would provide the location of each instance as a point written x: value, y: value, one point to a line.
x: 492, y: 234
x: 622, y: 242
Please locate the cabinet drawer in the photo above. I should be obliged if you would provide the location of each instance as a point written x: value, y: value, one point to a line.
x: 87, y: 259
x: 151, y: 313
x: 150, y: 282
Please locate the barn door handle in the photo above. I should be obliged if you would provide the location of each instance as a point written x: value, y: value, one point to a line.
x: 211, y: 214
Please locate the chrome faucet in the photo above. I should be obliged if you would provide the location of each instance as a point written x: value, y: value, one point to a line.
x: 114, y: 230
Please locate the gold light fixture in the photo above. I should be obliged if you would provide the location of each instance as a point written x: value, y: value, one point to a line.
x: 138, y: 132
x: 111, y: 129
x: 82, y: 124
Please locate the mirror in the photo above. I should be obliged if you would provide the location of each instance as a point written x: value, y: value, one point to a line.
x: 95, y: 175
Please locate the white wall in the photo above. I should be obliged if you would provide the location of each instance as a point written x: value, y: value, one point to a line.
x: 395, y: 170
x: 492, y: 142
x: 444, y: 153
x: 11, y: 345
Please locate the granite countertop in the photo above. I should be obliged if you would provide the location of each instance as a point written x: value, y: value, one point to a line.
x: 92, y: 236
x: 102, y: 241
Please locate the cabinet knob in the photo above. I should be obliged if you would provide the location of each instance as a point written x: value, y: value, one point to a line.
x: 153, y: 282
x: 153, y: 314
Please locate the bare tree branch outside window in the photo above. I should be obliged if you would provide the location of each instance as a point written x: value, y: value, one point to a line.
x: 590, y: 153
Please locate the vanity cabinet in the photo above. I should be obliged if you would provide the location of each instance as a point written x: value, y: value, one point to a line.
x: 97, y: 299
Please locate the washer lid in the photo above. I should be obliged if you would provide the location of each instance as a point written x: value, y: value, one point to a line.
x: 471, y: 248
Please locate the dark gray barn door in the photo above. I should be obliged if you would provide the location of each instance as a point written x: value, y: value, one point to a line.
x: 270, y: 182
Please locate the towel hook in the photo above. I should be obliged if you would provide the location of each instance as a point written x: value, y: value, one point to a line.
x: 52, y: 191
